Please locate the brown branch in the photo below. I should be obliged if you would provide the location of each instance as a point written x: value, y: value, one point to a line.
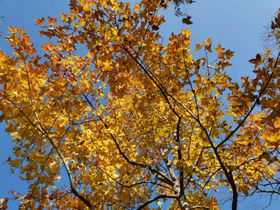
x: 157, y: 84
x: 209, y: 179
x: 252, y: 108
x: 134, y: 184
x: 227, y: 173
x: 165, y: 95
x: 163, y: 91
x: 180, y: 157
x: 154, y: 199
x: 162, y: 177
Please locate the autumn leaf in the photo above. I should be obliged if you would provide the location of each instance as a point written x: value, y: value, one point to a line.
x: 129, y: 118
x: 219, y: 50
x: 229, y: 54
x: 155, y: 27
x: 187, y: 20
x: 208, y: 44
x: 208, y: 41
x: 137, y: 7
x: 256, y: 61
x: 40, y: 21
x: 51, y: 21
x: 198, y: 47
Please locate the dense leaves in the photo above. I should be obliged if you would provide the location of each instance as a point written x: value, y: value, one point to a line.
x: 129, y: 121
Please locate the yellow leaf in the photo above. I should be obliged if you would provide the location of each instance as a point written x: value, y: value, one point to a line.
x: 198, y: 47
x: 219, y: 50
x: 137, y: 7
x: 208, y: 41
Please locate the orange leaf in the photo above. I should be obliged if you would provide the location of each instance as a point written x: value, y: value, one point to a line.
x: 208, y: 42
x: 52, y: 21
x: 137, y: 7
x: 40, y: 21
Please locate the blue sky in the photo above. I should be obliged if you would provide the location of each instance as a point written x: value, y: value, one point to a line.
x: 237, y: 24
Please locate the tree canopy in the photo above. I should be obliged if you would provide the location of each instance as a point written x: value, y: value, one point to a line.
x: 134, y: 121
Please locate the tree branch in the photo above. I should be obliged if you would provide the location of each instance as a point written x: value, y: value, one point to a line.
x: 252, y: 108
x: 153, y: 200
x: 159, y: 175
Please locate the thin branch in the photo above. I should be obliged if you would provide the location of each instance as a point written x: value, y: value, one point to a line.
x: 209, y: 179
x: 180, y: 157
x: 134, y: 184
x: 252, y: 108
x: 162, y: 177
x: 158, y: 85
x: 165, y: 95
x: 153, y: 200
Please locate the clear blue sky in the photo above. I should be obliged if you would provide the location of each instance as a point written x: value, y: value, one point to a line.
x: 237, y: 24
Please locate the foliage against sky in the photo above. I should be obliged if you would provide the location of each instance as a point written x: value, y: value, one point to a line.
x: 135, y: 121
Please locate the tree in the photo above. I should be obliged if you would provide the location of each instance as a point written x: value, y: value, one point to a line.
x: 274, y: 30
x: 134, y: 121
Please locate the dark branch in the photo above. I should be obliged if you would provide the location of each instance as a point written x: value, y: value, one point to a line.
x: 159, y: 175
x: 153, y: 200
x: 252, y: 108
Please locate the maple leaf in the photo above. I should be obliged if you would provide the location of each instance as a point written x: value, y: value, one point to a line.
x: 187, y: 20
x: 40, y: 21
x: 219, y: 50
x: 256, y: 61
x: 51, y: 21
x: 198, y: 47
x: 208, y: 45
x: 155, y: 27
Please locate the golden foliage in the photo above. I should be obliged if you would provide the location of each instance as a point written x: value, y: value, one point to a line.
x: 134, y: 119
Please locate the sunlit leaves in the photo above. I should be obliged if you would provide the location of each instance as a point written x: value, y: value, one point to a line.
x: 127, y: 116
